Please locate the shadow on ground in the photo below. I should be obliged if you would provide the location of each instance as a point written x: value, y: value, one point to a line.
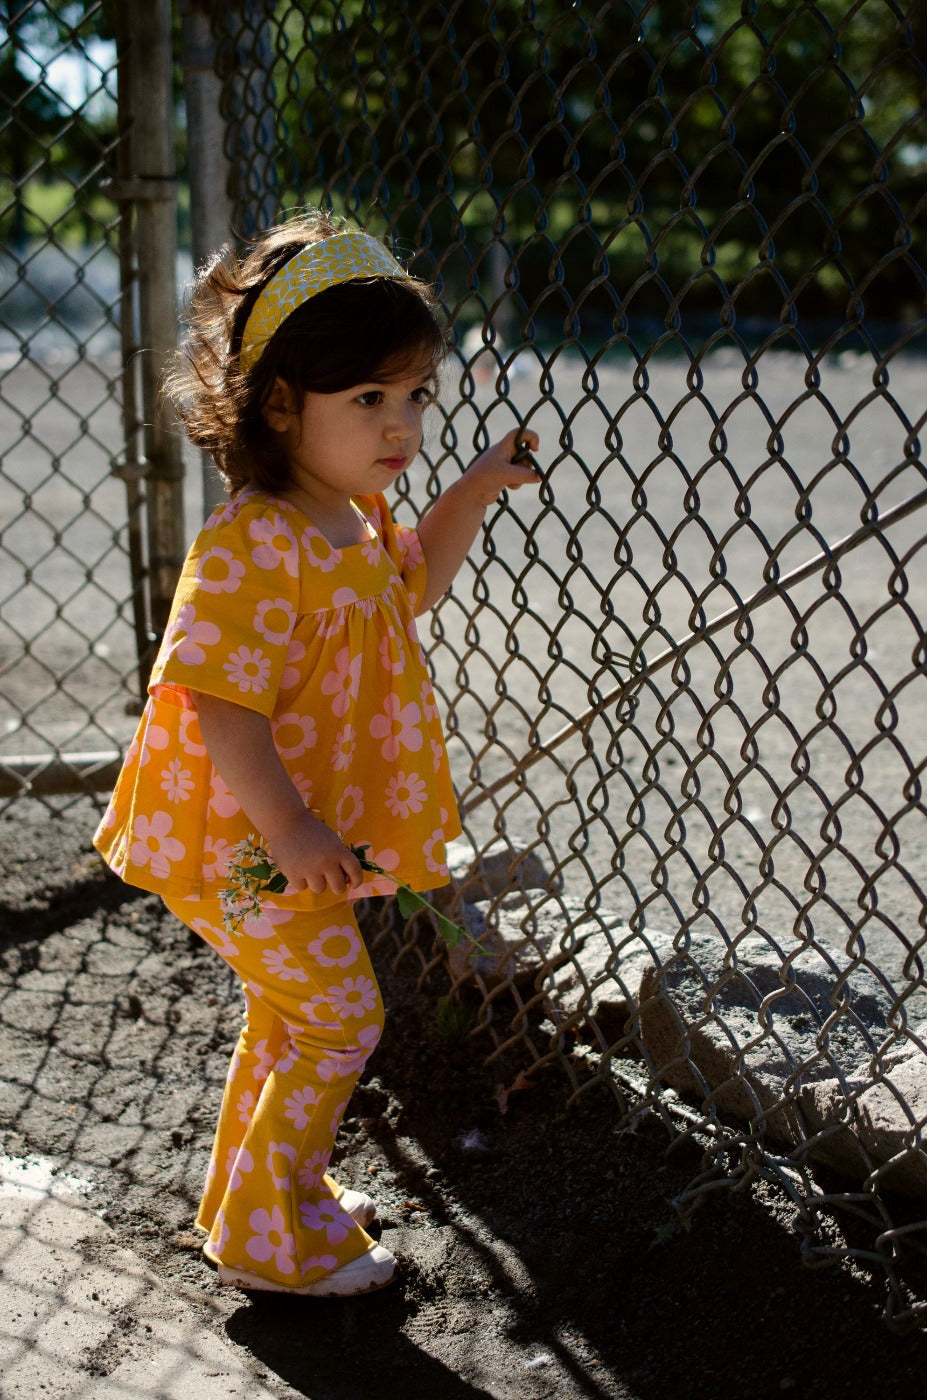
x: 542, y: 1256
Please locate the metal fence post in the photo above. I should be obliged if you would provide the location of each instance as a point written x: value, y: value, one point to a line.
x: 152, y: 190
x: 207, y: 166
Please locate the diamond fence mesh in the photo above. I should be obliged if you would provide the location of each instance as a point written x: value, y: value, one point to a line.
x: 67, y: 640
x: 683, y: 686
x: 684, y: 689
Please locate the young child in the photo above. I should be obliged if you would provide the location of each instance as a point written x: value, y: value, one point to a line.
x: 290, y: 700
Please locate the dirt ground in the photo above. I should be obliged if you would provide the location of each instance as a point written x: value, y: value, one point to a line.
x: 541, y: 1254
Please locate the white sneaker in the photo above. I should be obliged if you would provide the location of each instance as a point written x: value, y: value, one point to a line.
x: 369, y: 1271
x: 361, y: 1207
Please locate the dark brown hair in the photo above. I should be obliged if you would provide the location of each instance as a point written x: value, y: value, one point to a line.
x: 353, y: 333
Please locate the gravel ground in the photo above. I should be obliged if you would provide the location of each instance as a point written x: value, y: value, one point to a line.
x: 541, y: 1254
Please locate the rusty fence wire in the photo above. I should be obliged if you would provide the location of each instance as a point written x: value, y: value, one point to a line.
x: 684, y: 690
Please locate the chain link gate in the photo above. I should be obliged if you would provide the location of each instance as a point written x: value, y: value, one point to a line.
x: 684, y: 691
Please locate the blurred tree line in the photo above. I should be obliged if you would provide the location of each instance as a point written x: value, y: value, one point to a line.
x: 574, y: 164
x: 659, y: 160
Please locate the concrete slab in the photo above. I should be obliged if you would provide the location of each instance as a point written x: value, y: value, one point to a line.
x: 82, y: 1317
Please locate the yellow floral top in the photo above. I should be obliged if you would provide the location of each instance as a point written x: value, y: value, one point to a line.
x: 323, y: 641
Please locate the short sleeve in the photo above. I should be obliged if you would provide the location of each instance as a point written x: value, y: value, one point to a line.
x: 234, y: 609
x: 401, y: 542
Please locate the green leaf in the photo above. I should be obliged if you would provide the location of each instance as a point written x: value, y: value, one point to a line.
x: 263, y: 870
x: 451, y: 933
x: 409, y: 902
x: 277, y: 884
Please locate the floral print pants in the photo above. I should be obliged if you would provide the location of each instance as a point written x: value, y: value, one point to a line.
x: 313, y: 1016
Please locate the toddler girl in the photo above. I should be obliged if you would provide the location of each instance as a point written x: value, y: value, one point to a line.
x: 290, y: 700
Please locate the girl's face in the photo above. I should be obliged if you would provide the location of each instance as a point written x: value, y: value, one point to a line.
x: 354, y: 442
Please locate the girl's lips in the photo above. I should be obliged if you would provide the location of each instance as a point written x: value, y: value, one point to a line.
x: 395, y: 464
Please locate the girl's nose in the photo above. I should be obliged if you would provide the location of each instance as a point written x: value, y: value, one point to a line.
x: 401, y: 421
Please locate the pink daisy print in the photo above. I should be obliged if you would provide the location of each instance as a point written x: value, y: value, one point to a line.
x: 313, y: 1169
x: 434, y: 853
x: 343, y: 683
x: 410, y: 548
x: 349, y: 809
x: 379, y: 884
x: 264, y: 1061
x: 176, y: 781
x: 295, y: 1105
x: 288, y: 1056
x: 397, y: 726
x: 217, y: 855
x: 437, y: 754
x: 326, y: 1262
x: 327, y: 1215
x: 218, y: 571
x: 187, y: 637
x: 191, y: 739
x: 217, y: 938
x: 248, y: 669
x: 245, y: 1107
x: 371, y: 550
x: 429, y: 708
x: 291, y: 674
x: 319, y: 552
x: 352, y: 1060
x: 294, y: 734
x: 239, y: 1164
x: 276, y: 544
x: 281, y: 964
x: 221, y: 800
x: 271, y: 1241
x: 274, y: 620
x: 392, y: 658
x: 344, y: 748
x: 354, y: 997
x: 220, y: 1236
x: 280, y: 1159
x: 405, y: 795
x: 336, y: 946
x: 156, y: 738
x: 154, y: 845
x: 303, y: 786
x: 225, y: 513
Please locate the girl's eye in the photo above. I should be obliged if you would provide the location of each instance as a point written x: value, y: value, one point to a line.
x: 370, y: 398
x: 422, y: 395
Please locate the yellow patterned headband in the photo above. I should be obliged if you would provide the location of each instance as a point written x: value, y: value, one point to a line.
x: 342, y: 257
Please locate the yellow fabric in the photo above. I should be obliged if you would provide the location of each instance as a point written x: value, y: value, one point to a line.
x: 322, y: 641
x: 342, y: 257
x: 313, y: 1016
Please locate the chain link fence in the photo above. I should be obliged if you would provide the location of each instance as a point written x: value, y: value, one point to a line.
x: 66, y: 641
x: 683, y: 690
x: 683, y: 687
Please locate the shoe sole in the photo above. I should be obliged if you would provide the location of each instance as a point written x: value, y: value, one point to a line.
x: 329, y: 1287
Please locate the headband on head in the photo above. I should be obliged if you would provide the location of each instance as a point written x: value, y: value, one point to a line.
x: 342, y: 257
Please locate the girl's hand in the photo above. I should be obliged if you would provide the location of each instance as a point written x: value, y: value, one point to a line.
x: 312, y: 856
x: 496, y: 469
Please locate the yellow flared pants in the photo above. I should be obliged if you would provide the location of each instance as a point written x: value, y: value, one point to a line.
x: 313, y: 1015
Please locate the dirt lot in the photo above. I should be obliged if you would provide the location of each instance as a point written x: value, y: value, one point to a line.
x: 541, y: 1254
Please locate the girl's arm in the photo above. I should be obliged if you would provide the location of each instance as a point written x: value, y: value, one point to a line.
x: 241, y: 746
x: 449, y: 527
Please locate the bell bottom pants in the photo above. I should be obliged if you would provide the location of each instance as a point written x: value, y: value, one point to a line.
x: 313, y: 1015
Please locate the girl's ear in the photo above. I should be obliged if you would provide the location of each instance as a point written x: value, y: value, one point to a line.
x: 279, y: 407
